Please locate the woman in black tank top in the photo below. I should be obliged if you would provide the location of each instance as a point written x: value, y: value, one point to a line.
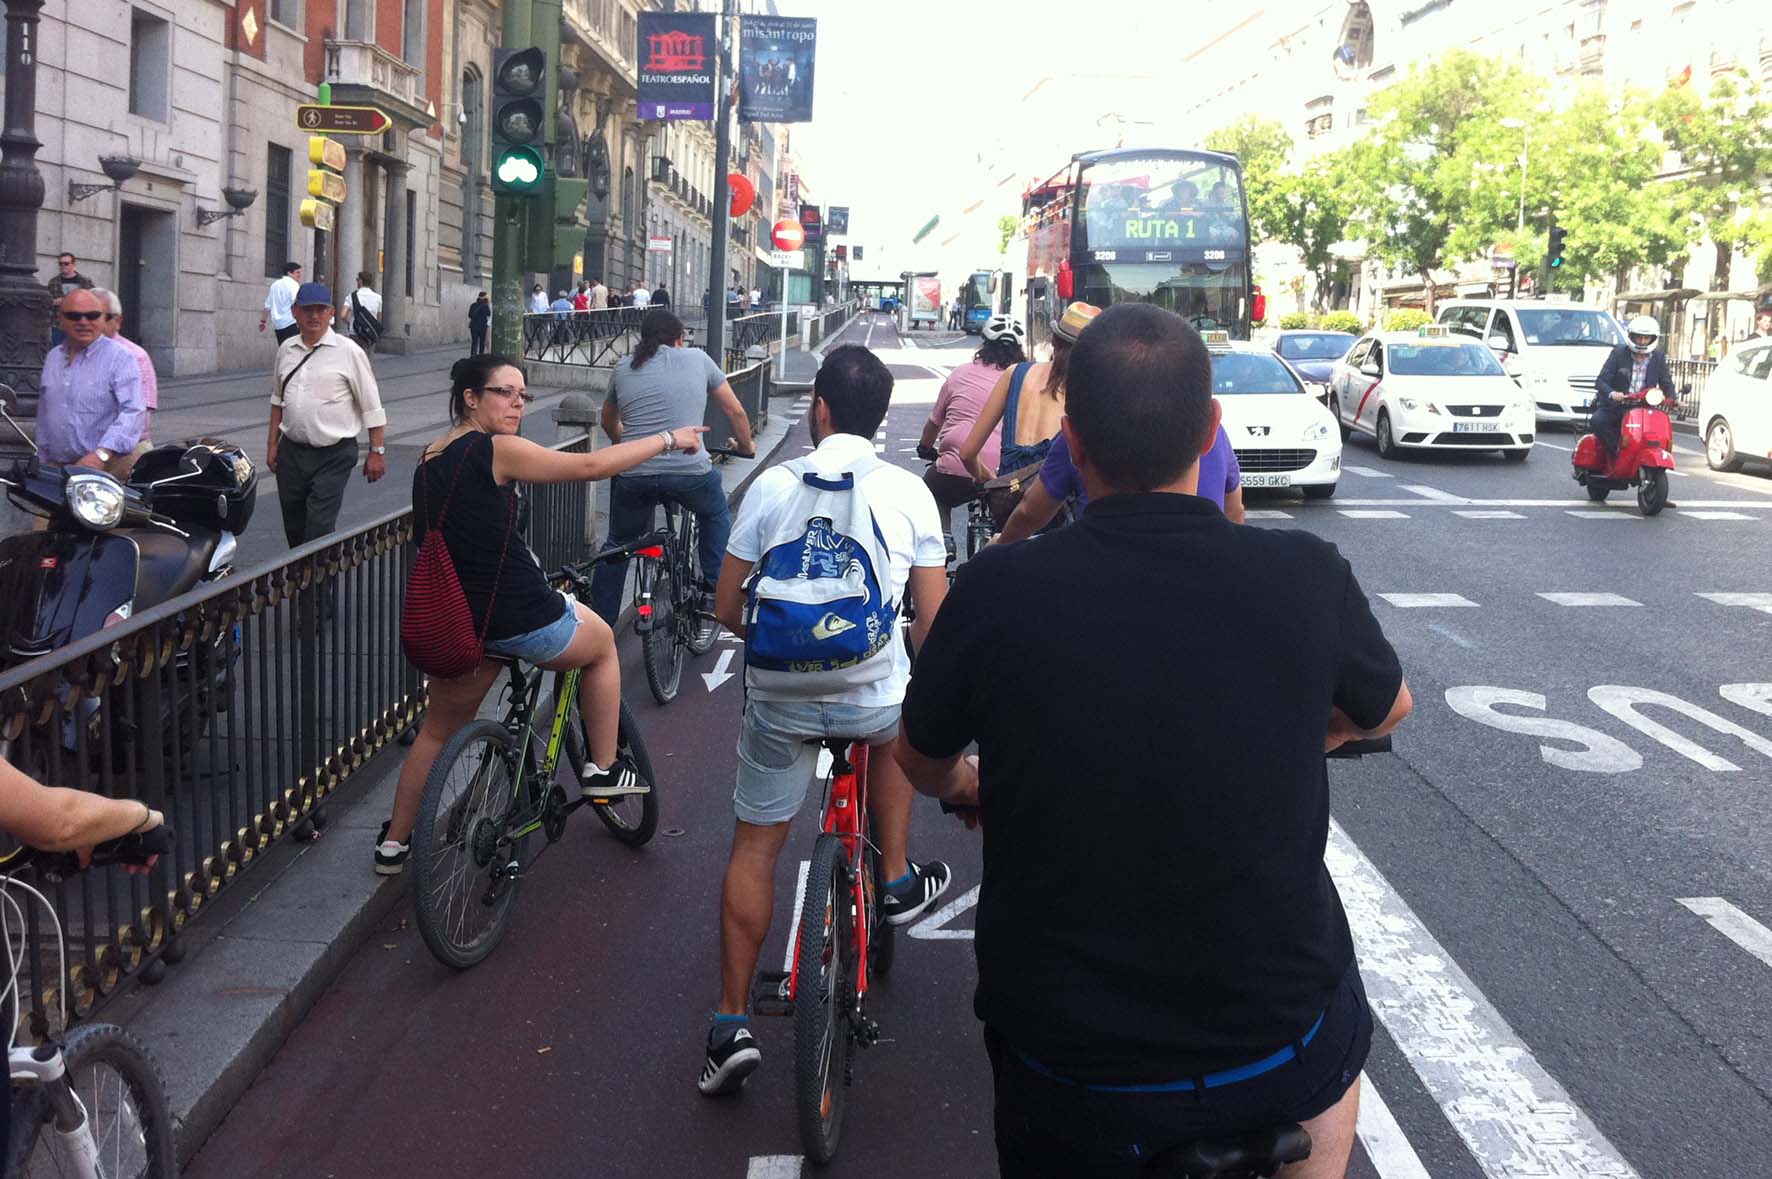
x: 470, y: 479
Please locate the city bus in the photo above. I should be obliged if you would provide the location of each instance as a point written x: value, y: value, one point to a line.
x: 1167, y: 226
x: 976, y: 298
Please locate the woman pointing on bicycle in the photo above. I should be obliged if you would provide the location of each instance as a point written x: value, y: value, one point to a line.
x: 468, y: 487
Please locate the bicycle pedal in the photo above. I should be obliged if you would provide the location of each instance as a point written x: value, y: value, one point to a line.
x: 770, y: 993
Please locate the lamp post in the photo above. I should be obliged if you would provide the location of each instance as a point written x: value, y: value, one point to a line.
x: 24, y: 301
x: 1525, y: 130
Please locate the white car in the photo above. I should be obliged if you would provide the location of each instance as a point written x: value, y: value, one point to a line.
x: 1282, y: 435
x: 1430, y: 390
x: 1553, y: 351
x: 1735, y: 409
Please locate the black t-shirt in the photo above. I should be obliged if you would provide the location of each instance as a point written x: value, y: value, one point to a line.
x: 475, y: 527
x: 1149, y: 690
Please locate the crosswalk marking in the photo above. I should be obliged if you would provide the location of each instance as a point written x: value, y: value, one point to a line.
x: 1386, y: 1144
x: 1581, y: 599
x: 1366, y: 514
x: 787, y: 958
x: 1431, y: 601
x: 1266, y: 514
x: 1760, y: 602
x: 1488, y: 514
x: 1435, y: 494
x: 1718, y: 516
x: 1368, y: 472
x: 1589, y: 514
x: 775, y: 1166
x: 1513, y: 1116
x: 1733, y: 924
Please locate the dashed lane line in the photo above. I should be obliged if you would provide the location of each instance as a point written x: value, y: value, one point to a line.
x: 787, y: 958
x: 1369, y: 472
x: 1266, y: 514
x: 1488, y: 514
x: 1733, y: 924
x: 1514, y: 1117
x: 775, y: 1166
x: 1586, y: 514
x: 1435, y: 494
x: 1386, y: 1145
x: 1580, y: 599
x: 1760, y: 602
x: 1719, y: 515
x: 1554, y: 446
x: 1427, y: 601
x: 1371, y: 514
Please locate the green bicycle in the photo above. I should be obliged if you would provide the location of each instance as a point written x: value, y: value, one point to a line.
x: 494, y: 788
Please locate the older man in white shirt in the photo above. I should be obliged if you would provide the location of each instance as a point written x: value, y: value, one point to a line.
x: 324, y: 395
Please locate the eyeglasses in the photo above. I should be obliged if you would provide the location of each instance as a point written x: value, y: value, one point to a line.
x: 83, y: 315
x: 510, y: 392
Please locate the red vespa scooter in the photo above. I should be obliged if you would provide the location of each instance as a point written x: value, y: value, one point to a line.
x: 1645, y: 455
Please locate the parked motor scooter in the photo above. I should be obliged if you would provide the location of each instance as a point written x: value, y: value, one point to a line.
x: 1645, y: 455
x: 110, y: 549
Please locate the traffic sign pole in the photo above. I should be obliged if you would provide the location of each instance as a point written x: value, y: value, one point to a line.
x: 786, y: 237
x: 510, y: 223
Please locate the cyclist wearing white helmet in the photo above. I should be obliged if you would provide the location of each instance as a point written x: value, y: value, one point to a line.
x: 1633, y: 367
x: 963, y: 394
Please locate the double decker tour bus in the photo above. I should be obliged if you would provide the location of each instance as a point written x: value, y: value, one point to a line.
x: 1166, y: 226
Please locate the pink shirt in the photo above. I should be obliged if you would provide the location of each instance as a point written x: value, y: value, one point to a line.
x: 150, y: 381
x: 963, y: 395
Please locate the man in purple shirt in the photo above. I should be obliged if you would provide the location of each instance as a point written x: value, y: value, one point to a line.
x: 1221, y: 481
x: 90, y: 411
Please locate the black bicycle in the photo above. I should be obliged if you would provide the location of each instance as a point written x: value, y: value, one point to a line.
x: 494, y: 787
x: 667, y: 603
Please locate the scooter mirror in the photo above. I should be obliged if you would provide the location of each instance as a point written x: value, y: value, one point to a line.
x: 1655, y: 397
x: 8, y: 407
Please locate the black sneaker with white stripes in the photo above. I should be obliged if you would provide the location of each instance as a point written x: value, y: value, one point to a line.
x: 390, y: 857
x: 617, y: 781
x: 733, y: 1056
x: 906, y: 902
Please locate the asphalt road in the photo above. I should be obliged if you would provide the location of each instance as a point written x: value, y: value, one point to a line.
x: 1559, y: 886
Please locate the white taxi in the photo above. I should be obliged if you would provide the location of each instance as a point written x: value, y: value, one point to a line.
x: 1430, y: 389
x: 1282, y: 435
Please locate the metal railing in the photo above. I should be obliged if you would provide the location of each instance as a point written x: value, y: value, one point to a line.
x: 751, y: 384
x: 236, y: 709
x: 605, y: 337
x: 1695, y: 373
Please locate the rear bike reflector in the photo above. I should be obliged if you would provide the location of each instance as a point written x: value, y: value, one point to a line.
x: 656, y: 552
x: 644, y: 611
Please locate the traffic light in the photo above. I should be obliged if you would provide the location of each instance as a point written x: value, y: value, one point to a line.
x: 555, y: 238
x: 1555, y: 252
x: 519, y: 132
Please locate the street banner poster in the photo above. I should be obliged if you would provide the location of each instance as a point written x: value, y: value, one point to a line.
x: 775, y: 68
x: 676, y: 55
x: 837, y: 224
x: 812, y: 221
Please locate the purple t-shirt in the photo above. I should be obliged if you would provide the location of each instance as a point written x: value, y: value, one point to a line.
x: 1219, y: 473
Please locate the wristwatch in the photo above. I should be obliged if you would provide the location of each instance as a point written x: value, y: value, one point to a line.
x: 378, y: 450
x: 104, y: 456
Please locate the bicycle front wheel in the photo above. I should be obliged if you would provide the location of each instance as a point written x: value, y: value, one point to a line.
x: 660, y: 647
x: 699, y: 632
x: 465, y: 872
x: 127, y: 1117
x: 631, y: 818
x: 822, y: 999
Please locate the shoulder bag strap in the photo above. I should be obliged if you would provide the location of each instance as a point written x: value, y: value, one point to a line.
x: 284, y: 386
x: 1012, y: 404
x: 503, y: 552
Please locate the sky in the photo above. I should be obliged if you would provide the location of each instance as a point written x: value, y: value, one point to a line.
x: 922, y: 108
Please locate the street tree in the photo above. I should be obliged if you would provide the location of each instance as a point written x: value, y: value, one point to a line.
x: 1007, y: 224
x: 1724, y: 140
x: 1262, y: 147
x: 1310, y: 211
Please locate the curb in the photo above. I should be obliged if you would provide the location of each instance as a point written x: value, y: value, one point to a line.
x: 218, y: 1019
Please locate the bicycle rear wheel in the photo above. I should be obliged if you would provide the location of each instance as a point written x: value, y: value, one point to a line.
x: 698, y: 632
x: 660, y: 647
x: 631, y: 818
x: 463, y: 881
x: 822, y: 1000
x: 109, y: 1070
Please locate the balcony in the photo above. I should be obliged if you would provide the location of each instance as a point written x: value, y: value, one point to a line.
x: 363, y: 74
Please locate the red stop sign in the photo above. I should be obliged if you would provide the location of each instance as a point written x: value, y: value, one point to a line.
x: 787, y: 235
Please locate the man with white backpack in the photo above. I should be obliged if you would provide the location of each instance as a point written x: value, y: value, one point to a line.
x: 822, y: 553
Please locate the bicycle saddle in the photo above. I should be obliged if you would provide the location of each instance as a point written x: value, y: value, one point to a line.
x: 1258, y: 1152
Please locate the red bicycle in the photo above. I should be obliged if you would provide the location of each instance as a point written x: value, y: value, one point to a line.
x: 841, y: 944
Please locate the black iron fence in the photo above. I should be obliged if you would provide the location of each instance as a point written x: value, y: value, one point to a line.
x: 602, y: 338
x: 237, y: 709
x: 1693, y: 373
x: 752, y: 386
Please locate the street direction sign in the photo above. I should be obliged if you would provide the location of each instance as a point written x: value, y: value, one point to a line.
x: 317, y: 215
x: 328, y: 186
x: 343, y: 120
x: 791, y: 259
x: 326, y: 153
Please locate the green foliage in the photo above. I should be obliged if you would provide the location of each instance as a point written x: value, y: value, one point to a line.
x: 1725, y: 139
x: 1406, y: 319
x: 1341, y: 321
x: 1312, y: 209
x: 1262, y: 146
x: 1006, y: 227
x: 1294, y: 320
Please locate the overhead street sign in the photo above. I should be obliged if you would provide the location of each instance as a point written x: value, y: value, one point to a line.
x: 328, y: 186
x: 343, y: 120
x: 326, y: 153
x: 317, y: 215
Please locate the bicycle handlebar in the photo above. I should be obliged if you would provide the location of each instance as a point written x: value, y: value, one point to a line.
x: 136, y: 849
x: 727, y: 452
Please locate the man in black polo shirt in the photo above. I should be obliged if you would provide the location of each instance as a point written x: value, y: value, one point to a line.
x: 1162, y: 955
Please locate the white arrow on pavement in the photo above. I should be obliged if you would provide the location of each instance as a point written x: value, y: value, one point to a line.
x: 719, y: 675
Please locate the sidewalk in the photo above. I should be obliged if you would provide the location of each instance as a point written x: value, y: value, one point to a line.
x: 253, y: 967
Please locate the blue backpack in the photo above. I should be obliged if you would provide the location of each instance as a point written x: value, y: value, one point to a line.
x: 817, y: 619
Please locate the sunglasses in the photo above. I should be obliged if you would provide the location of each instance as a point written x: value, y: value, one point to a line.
x: 83, y: 315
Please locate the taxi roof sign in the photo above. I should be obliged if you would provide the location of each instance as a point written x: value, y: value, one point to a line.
x: 1216, y: 339
x: 1434, y: 331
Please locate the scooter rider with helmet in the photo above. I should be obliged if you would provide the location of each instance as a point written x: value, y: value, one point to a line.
x: 1633, y: 367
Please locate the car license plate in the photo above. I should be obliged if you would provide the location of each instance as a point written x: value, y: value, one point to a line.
x: 1267, y: 480
x: 1471, y: 427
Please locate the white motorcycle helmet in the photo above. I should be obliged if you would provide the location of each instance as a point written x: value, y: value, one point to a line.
x: 1004, y: 327
x: 1644, y: 334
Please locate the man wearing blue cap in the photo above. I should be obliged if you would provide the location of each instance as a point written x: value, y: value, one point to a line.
x: 324, y: 396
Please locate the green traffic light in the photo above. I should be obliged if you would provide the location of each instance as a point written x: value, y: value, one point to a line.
x: 517, y: 171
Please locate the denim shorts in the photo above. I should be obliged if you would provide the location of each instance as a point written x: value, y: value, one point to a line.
x: 541, y: 644
x: 778, y: 750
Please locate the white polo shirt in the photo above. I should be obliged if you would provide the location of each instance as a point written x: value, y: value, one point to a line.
x: 908, y: 519
x: 280, y: 303
x: 330, y: 398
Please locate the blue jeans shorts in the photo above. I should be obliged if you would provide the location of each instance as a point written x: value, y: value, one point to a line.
x: 541, y: 644
x: 778, y: 751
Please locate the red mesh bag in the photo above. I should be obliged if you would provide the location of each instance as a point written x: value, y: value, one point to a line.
x: 437, y: 630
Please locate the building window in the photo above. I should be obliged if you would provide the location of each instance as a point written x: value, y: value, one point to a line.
x: 276, y: 210
x: 412, y: 35
x: 150, y: 55
x: 1354, y: 48
x: 473, y: 137
x: 285, y: 12
x: 411, y: 240
x: 359, y: 17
